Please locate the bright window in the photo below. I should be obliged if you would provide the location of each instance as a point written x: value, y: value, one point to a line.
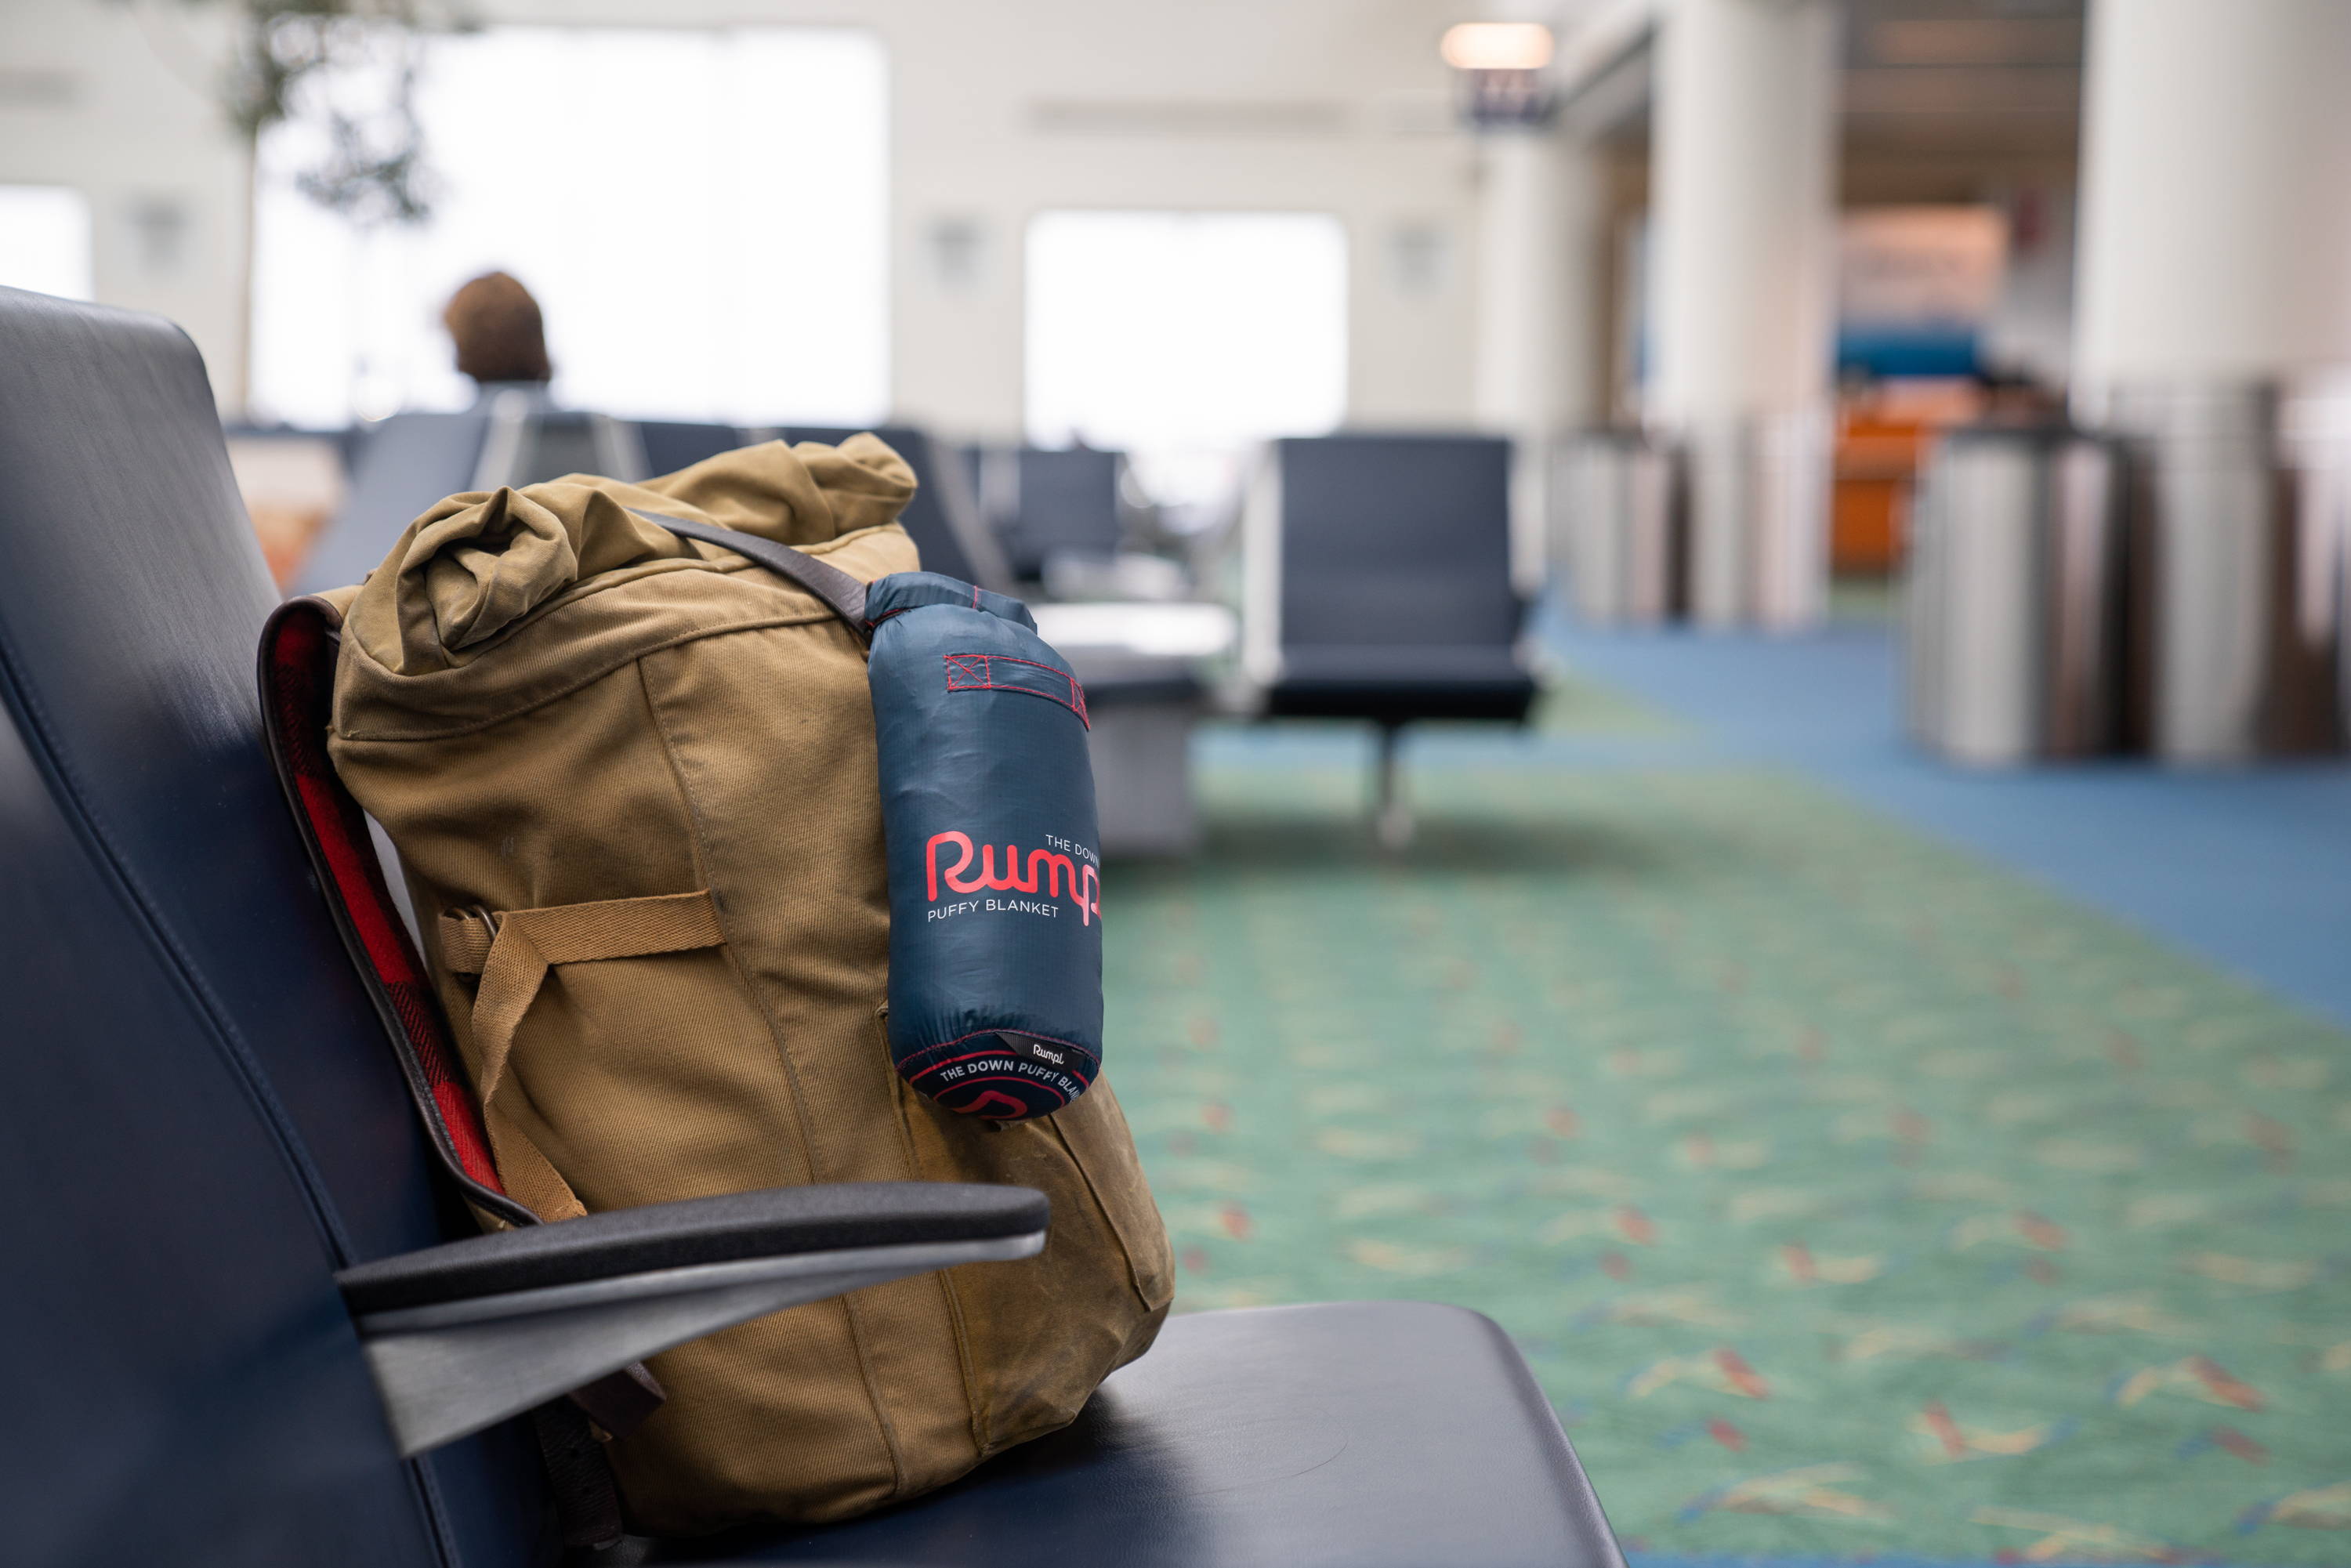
x: 703, y: 215
x: 1185, y: 338
x: 45, y: 240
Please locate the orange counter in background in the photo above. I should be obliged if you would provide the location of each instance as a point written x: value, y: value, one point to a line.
x: 1876, y: 463
x: 293, y: 483
x: 1885, y: 431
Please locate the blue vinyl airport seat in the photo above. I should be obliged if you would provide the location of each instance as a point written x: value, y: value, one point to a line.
x: 404, y: 465
x: 202, y: 1126
x: 1379, y: 587
x: 670, y: 445
x: 408, y: 463
x: 1061, y: 502
x: 941, y: 519
x: 200, y: 1122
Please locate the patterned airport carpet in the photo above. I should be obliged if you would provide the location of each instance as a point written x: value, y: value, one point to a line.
x: 1851, y: 1198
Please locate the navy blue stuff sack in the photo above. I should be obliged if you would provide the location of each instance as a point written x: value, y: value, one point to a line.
x: 987, y: 803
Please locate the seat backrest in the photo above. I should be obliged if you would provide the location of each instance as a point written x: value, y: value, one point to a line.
x: 200, y: 1119
x: 1068, y: 503
x: 942, y: 518
x: 556, y: 442
x: 1396, y: 539
x: 412, y: 460
x: 406, y: 464
x: 670, y: 445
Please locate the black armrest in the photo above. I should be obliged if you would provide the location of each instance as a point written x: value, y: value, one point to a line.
x: 733, y: 1226
x: 467, y: 1334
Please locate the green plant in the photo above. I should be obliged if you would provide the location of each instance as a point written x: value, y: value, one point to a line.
x: 349, y: 67
x: 315, y: 61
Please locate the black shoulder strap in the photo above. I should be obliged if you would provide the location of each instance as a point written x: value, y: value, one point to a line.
x: 843, y: 592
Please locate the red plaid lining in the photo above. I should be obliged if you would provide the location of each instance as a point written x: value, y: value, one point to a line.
x: 297, y: 667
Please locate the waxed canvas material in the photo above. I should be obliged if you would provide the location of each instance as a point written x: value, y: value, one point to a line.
x: 550, y: 703
x: 987, y: 803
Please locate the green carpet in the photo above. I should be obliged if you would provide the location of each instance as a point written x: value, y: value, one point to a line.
x: 1850, y: 1197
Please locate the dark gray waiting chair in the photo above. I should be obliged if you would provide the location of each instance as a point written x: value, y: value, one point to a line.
x: 1377, y: 573
x: 942, y: 519
x: 670, y: 445
x: 410, y: 461
x: 1043, y: 502
x: 222, y: 1202
x: 404, y: 465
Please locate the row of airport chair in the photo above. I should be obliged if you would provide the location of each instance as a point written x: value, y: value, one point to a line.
x: 1144, y: 703
x: 210, y: 1151
x: 1376, y: 568
x: 988, y: 514
x: 516, y: 436
x: 1376, y: 575
x: 1377, y: 579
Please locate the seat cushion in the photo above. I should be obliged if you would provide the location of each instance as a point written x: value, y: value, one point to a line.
x: 1372, y: 1433
x: 1399, y: 683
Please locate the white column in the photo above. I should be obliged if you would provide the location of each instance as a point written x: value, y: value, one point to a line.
x: 2216, y: 189
x: 1742, y: 279
x: 1541, y: 329
x: 2215, y: 268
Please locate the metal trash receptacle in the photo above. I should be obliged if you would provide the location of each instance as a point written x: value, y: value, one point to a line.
x: 2014, y: 596
x: 1758, y: 488
x: 1619, y: 533
x: 2241, y: 528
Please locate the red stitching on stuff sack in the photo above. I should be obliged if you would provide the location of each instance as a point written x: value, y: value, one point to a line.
x: 976, y: 673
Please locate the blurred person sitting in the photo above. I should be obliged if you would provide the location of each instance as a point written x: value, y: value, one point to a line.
x: 515, y: 434
x: 500, y: 334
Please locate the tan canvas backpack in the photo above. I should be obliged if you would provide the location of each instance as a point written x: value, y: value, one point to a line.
x: 632, y: 780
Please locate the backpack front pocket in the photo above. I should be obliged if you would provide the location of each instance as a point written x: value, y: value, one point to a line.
x: 574, y: 1003
x: 1043, y: 1331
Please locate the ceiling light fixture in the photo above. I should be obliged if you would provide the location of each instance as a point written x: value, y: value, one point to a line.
x: 1496, y: 47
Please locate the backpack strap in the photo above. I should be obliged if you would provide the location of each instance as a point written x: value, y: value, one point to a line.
x: 843, y: 593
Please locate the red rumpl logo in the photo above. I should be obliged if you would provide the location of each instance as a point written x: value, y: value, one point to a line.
x: 1046, y: 870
